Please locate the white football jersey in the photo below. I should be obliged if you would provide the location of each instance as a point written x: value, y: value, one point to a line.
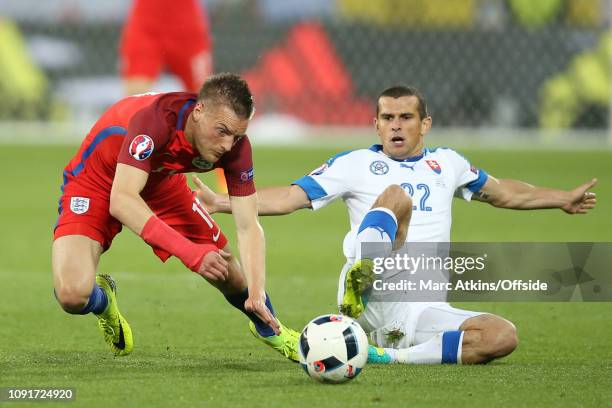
x: 432, y: 180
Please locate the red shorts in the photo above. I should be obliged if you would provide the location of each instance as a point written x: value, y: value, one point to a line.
x: 186, y: 54
x: 174, y: 203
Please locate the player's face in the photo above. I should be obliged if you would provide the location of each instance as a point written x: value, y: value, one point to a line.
x: 216, y: 130
x: 399, y: 126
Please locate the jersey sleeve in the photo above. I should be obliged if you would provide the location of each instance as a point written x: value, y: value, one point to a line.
x: 469, y: 179
x: 326, y: 183
x: 148, y: 131
x: 238, y: 167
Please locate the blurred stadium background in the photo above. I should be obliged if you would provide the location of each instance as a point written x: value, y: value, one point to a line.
x: 495, y: 72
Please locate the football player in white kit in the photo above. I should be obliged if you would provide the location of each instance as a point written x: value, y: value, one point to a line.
x: 400, y: 192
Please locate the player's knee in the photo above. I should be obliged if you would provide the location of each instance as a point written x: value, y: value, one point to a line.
x: 501, y: 338
x: 394, y: 193
x: 507, y: 339
x: 395, y: 198
x: 72, y: 298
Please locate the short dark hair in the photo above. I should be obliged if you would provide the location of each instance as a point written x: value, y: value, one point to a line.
x: 231, y: 90
x: 401, y: 90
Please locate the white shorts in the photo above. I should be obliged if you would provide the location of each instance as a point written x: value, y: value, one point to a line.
x: 413, y: 322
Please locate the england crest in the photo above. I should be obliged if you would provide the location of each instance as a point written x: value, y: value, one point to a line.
x: 141, y: 147
x: 434, y: 166
x: 79, y: 205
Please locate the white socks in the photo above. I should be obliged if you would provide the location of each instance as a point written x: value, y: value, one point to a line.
x: 443, y: 348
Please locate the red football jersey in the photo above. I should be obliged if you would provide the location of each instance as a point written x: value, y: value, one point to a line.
x: 170, y: 34
x: 171, y: 16
x: 146, y: 132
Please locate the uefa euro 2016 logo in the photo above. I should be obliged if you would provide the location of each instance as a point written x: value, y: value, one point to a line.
x: 379, y: 167
x: 141, y: 147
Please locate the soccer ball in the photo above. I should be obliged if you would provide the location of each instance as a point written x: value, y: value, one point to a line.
x: 333, y: 348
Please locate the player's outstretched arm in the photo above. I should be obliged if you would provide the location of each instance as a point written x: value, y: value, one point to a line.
x: 127, y: 206
x: 281, y: 200
x: 252, y: 249
x: 518, y: 195
x: 270, y: 200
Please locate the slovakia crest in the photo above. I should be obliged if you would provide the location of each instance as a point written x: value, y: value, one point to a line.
x: 379, y: 167
x: 141, y: 147
x: 434, y: 166
x: 79, y: 205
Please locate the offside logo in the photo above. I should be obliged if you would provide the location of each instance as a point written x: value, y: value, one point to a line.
x: 141, y: 147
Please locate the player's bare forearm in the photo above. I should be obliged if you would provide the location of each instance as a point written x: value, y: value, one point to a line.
x: 270, y: 200
x: 251, y: 242
x: 281, y: 200
x: 126, y: 204
x: 252, y: 249
x: 518, y: 195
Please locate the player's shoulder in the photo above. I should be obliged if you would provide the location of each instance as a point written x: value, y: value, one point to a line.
x: 160, y: 100
x: 342, y: 157
x: 446, y: 153
x: 177, y: 96
x: 168, y: 108
x: 353, y: 156
x: 175, y: 101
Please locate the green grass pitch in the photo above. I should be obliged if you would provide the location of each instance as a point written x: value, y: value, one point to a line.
x: 192, y: 349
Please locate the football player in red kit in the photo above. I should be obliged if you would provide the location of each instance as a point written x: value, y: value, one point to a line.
x: 172, y: 34
x: 129, y: 171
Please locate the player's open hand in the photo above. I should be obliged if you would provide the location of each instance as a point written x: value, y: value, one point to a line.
x: 207, y: 197
x: 581, y: 200
x: 214, y: 266
x: 257, y: 304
